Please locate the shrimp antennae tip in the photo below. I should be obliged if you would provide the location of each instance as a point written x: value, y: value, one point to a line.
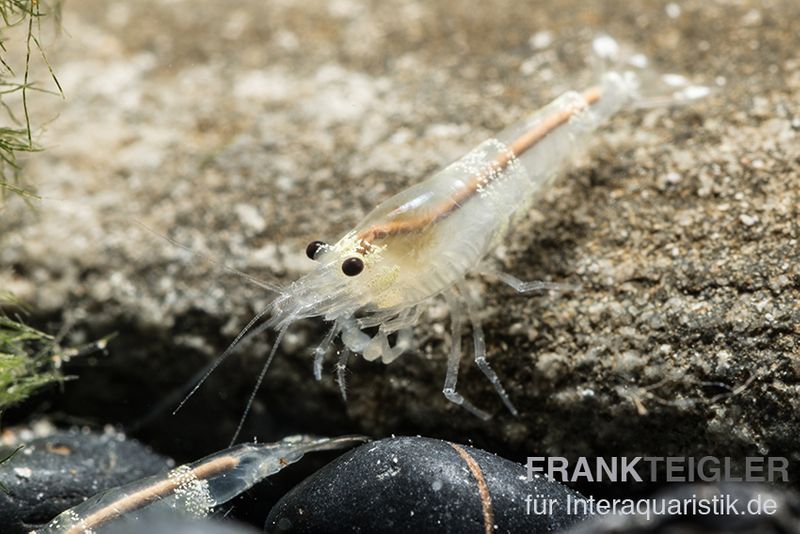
x: 227, y: 352
x: 260, y: 379
x: 269, y: 286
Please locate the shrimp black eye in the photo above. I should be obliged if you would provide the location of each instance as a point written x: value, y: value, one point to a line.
x: 352, y: 266
x: 313, y: 248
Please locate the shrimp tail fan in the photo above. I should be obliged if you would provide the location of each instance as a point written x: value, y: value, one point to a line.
x: 649, y: 86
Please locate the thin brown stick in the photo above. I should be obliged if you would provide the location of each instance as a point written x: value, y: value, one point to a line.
x: 483, y: 488
x: 521, y: 145
x: 144, y: 496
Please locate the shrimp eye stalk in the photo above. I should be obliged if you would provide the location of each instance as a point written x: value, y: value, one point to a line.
x: 352, y: 266
x: 314, y: 248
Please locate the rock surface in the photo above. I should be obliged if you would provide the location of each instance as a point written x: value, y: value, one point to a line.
x: 53, y: 473
x: 409, y: 484
x: 245, y: 132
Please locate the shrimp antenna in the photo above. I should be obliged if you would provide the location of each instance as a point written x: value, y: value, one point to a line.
x: 174, y: 396
x: 263, y: 373
x: 227, y: 352
x: 269, y: 286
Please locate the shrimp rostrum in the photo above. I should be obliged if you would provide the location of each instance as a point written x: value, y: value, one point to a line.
x: 424, y: 241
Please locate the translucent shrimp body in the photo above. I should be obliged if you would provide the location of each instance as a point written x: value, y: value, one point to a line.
x: 424, y: 241
x: 193, y: 489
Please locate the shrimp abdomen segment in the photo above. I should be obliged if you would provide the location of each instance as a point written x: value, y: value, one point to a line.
x: 553, y: 135
x: 428, y: 237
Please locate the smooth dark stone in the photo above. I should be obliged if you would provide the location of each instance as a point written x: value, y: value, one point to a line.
x: 786, y: 516
x: 54, y: 473
x: 417, y: 485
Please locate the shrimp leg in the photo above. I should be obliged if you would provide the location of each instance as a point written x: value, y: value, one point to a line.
x: 322, y: 349
x: 402, y: 325
x: 341, y: 369
x: 406, y: 319
x: 404, y: 339
x: 479, y: 341
x: 454, y: 359
x: 521, y: 286
x: 352, y: 337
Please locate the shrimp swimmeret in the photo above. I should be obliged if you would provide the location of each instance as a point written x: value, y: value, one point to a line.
x: 424, y: 241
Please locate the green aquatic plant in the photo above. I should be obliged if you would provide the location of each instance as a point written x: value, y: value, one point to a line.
x: 16, y: 134
x: 28, y: 360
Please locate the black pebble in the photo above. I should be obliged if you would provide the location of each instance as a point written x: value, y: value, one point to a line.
x: 417, y: 485
x: 52, y: 474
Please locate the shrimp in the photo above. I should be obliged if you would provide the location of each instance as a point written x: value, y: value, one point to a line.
x: 423, y: 242
x: 193, y: 489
